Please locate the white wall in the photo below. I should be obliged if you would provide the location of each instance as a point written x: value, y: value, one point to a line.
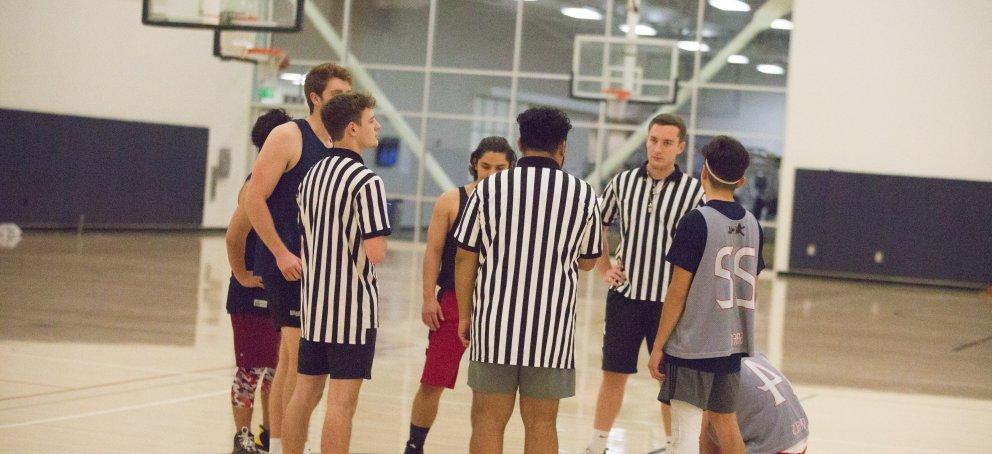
x: 95, y: 58
x: 898, y: 87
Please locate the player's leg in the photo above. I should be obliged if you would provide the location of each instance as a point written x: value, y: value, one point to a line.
x: 728, y: 433
x: 266, y: 391
x: 494, y: 394
x: 444, y: 354
x: 242, y: 400
x: 650, y: 318
x: 687, y: 423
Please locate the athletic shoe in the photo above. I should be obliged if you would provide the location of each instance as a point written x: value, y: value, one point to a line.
x: 244, y: 442
x: 262, y: 443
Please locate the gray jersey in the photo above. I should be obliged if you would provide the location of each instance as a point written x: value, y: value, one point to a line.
x: 769, y: 413
x: 718, y: 319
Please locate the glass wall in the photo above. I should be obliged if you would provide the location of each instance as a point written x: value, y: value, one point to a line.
x: 456, y: 71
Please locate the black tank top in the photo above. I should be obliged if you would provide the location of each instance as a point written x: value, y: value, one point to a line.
x: 282, y: 202
x: 446, y: 279
x: 243, y: 300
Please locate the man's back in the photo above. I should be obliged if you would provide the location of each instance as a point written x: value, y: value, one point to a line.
x: 530, y: 226
x: 770, y: 416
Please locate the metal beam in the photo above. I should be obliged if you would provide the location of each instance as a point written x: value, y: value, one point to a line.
x: 763, y: 17
x: 387, y: 109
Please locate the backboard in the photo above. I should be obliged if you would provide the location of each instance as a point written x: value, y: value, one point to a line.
x: 647, y: 69
x: 244, y: 15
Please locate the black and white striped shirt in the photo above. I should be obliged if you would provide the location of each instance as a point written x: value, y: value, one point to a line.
x: 530, y: 225
x: 342, y: 202
x: 649, y: 211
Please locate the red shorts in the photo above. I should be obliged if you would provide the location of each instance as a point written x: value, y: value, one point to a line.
x: 256, y: 344
x: 444, y: 348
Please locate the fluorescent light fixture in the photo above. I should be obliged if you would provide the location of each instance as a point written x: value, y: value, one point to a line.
x: 584, y: 13
x: 730, y: 5
x: 640, y: 29
x: 771, y: 69
x: 693, y: 46
x: 738, y: 59
x: 293, y: 77
x: 782, y: 24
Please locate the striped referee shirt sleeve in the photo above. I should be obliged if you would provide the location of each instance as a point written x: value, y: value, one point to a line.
x: 468, y: 233
x: 592, y: 243
x: 370, y: 204
x: 609, y: 203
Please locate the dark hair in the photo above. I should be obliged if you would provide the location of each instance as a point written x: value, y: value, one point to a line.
x: 543, y: 128
x: 726, y: 159
x: 265, y: 124
x: 494, y: 144
x: 342, y: 110
x: 319, y: 76
x: 669, y: 120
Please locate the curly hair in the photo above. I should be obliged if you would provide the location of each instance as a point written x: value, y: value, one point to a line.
x: 265, y: 124
x: 492, y: 144
x: 543, y: 128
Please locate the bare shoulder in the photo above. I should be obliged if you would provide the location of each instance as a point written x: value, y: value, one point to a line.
x: 448, y: 202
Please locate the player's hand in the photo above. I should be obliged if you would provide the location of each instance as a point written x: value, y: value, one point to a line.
x: 431, y: 314
x: 615, y: 276
x: 249, y: 280
x: 290, y: 265
x: 655, y: 363
x: 464, y: 328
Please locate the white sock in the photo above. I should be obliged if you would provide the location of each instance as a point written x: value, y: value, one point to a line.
x: 597, y: 444
x: 275, y: 446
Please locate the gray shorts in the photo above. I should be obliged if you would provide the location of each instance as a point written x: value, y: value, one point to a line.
x: 536, y: 382
x: 718, y: 392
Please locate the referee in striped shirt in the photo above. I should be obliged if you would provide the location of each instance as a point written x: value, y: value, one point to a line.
x: 648, y: 201
x: 344, y: 223
x: 523, y: 236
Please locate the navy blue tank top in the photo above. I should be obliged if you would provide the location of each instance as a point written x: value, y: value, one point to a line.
x: 282, y: 202
x: 446, y: 278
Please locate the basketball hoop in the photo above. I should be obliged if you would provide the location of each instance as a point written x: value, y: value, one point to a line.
x: 268, y: 56
x: 616, y: 102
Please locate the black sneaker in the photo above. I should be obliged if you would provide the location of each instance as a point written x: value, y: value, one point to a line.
x: 244, y: 442
x: 263, y: 439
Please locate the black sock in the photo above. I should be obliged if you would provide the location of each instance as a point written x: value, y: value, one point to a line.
x: 417, y: 437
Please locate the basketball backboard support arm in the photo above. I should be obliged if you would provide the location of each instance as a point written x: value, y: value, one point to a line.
x: 762, y: 19
x: 387, y: 109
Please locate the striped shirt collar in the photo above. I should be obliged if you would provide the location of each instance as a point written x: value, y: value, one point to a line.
x: 345, y: 153
x: 539, y: 162
x: 676, y: 174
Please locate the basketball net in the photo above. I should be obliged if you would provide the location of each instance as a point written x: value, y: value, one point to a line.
x: 616, y: 102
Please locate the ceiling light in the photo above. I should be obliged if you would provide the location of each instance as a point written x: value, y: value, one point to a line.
x: 730, y: 5
x: 640, y: 29
x: 771, y: 69
x: 738, y: 59
x: 693, y: 46
x: 584, y: 13
x: 782, y: 24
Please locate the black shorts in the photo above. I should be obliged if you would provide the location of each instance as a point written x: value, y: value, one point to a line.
x: 284, y: 301
x: 628, y: 324
x: 715, y: 391
x: 339, y: 361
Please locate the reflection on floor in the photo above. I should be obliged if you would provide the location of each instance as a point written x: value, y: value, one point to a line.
x: 119, y: 343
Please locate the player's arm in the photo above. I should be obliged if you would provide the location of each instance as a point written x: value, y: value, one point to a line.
x: 437, y: 232
x: 671, y: 312
x: 276, y: 156
x: 466, y: 270
x: 236, y: 237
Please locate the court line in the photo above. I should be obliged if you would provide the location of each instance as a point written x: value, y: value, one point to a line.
x: 971, y: 344
x: 113, y: 410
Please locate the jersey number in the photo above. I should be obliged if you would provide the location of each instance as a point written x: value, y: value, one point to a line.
x: 768, y: 378
x: 739, y: 272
